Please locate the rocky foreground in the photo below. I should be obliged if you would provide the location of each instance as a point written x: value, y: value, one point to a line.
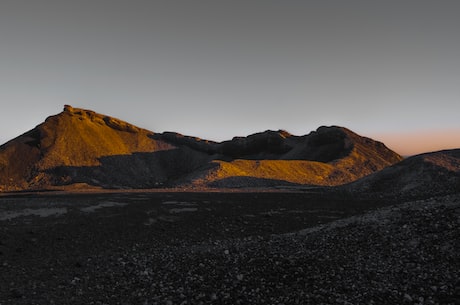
x: 400, y: 254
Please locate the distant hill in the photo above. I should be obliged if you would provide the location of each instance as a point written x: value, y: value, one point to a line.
x: 428, y: 174
x: 327, y: 156
x: 81, y: 148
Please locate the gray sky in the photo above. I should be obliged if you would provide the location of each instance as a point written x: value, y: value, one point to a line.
x: 218, y: 69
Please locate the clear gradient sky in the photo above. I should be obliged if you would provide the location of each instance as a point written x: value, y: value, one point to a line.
x: 216, y: 69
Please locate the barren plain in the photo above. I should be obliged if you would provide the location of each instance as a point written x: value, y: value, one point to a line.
x: 227, y: 248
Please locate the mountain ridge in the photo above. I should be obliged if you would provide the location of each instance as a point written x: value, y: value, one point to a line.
x: 82, y: 147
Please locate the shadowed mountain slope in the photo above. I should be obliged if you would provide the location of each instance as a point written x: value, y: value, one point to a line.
x: 79, y: 146
x: 422, y: 175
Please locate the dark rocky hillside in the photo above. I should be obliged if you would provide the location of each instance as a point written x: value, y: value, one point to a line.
x: 428, y: 174
x: 81, y: 148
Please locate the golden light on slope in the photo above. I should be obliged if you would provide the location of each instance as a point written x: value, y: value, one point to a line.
x: 80, y: 145
x: 79, y: 138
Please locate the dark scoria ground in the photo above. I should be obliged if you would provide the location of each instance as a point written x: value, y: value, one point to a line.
x: 227, y: 248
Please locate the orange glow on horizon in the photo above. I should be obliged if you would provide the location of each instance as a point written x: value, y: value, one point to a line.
x: 417, y: 142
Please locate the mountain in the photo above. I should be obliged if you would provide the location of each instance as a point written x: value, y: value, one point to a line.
x: 428, y: 174
x: 74, y: 138
x: 81, y: 148
x: 328, y: 156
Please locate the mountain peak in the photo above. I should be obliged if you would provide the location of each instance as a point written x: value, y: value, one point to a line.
x: 85, y: 114
x: 68, y: 108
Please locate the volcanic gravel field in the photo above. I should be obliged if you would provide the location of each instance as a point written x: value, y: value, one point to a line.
x: 227, y: 248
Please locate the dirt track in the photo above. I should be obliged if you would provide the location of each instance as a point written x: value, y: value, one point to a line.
x: 227, y: 248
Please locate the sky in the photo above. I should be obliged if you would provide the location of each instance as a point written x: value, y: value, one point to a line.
x: 389, y: 70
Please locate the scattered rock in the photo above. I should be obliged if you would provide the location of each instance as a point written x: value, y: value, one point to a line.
x: 364, y: 259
